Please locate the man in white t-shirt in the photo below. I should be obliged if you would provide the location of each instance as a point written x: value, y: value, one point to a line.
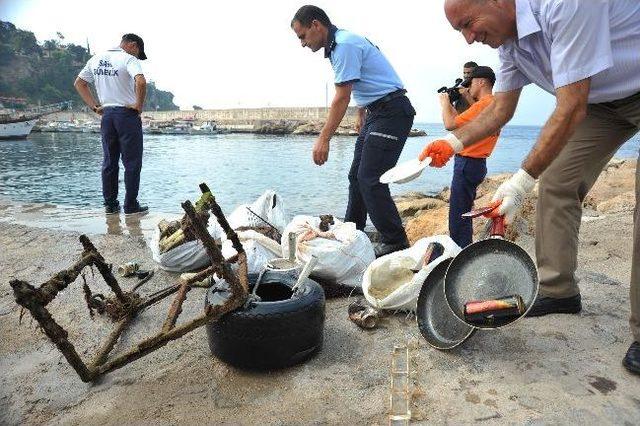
x: 121, y: 87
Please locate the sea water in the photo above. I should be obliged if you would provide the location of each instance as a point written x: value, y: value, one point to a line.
x: 63, y: 169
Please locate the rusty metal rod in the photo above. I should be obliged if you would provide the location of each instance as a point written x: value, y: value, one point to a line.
x: 28, y: 297
x: 224, y: 224
x: 154, y: 298
x: 103, y: 268
x: 108, y: 345
x: 50, y: 289
x: 243, y: 270
x: 176, y: 307
x: 158, y: 296
x: 210, y: 245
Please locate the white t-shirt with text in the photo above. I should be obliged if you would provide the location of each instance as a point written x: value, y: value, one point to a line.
x: 113, y: 73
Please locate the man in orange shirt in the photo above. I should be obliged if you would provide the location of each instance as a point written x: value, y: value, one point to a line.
x: 470, y: 165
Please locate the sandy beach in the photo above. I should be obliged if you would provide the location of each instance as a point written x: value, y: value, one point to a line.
x: 551, y: 370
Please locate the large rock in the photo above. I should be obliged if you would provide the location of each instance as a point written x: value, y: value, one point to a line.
x: 280, y: 127
x: 314, y: 128
x: 409, y: 207
x: 621, y: 203
x: 307, y: 129
x: 431, y: 222
x: 417, y: 132
x: 346, y: 131
x: 411, y: 195
x: 617, y: 178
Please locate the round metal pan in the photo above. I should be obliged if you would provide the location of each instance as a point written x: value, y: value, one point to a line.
x: 438, y: 325
x: 491, y: 269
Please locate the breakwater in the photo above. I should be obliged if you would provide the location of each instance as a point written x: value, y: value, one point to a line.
x: 250, y: 115
x: 233, y: 116
x: 270, y: 121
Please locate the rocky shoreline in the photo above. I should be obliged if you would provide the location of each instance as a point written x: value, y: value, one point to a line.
x: 556, y: 369
x: 294, y: 127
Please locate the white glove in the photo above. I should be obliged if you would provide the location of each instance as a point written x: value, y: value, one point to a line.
x: 512, y: 193
x: 454, y: 142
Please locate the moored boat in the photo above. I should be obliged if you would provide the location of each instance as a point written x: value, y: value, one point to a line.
x: 16, y: 128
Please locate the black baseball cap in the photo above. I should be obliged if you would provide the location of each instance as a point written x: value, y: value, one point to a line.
x: 136, y: 38
x: 480, y: 72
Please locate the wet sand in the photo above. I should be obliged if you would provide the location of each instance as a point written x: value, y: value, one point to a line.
x: 556, y: 369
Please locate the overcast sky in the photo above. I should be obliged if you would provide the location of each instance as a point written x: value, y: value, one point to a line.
x: 242, y: 53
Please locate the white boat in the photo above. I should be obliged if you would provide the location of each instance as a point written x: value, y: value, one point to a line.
x: 18, y: 125
x: 15, y: 129
x: 90, y: 127
x: 178, y: 129
x: 206, y: 128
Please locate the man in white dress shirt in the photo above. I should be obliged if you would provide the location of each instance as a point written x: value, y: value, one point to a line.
x: 586, y: 53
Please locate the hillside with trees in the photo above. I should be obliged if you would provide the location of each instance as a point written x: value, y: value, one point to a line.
x: 44, y: 73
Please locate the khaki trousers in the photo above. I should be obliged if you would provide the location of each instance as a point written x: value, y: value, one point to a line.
x: 563, y: 187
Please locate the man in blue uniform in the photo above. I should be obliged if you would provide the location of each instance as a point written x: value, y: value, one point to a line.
x: 384, y: 119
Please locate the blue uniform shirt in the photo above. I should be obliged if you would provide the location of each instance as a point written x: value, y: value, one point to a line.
x: 356, y: 60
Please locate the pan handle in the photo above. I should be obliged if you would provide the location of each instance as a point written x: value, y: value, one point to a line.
x: 497, y: 226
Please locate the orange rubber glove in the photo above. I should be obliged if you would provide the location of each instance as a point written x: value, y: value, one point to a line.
x: 441, y: 150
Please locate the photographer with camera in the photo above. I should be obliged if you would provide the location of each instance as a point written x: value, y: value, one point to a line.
x: 465, y: 100
x: 459, y: 96
x: 470, y: 166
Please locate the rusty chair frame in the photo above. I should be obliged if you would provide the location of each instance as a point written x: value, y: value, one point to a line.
x: 130, y: 304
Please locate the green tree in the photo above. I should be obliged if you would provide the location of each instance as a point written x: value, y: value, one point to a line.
x: 45, y: 73
x: 51, y: 94
x: 6, y: 54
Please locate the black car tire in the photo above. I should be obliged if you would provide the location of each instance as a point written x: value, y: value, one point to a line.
x: 270, y: 334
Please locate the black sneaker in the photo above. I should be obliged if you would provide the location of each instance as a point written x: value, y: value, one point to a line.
x: 136, y: 209
x: 632, y: 360
x: 112, y: 208
x: 548, y: 305
x: 382, y: 249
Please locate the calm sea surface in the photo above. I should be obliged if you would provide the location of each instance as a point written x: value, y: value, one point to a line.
x: 64, y: 169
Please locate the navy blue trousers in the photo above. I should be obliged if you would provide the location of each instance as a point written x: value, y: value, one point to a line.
x: 468, y: 174
x: 377, y: 149
x: 121, y: 136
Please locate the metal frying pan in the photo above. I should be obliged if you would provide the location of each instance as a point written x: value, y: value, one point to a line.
x: 439, y: 326
x: 490, y: 269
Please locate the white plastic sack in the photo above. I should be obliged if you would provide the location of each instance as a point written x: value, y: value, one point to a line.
x: 268, y: 206
x: 343, y: 259
x: 259, y: 249
x: 188, y: 256
x: 389, y: 284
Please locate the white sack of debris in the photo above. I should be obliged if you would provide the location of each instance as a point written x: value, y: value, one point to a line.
x: 188, y: 256
x: 343, y: 252
x: 267, y: 210
x: 390, y: 282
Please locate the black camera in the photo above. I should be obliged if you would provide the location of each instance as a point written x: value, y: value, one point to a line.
x: 454, y: 91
